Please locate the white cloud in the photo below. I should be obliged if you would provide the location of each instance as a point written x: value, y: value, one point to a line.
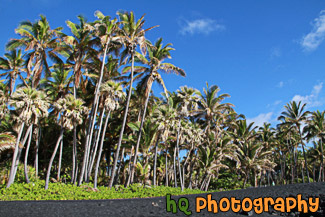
x: 280, y: 84
x: 313, y: 39
x: 311, y: 99
x: 277, y: 102
x: 200, y: 26
x: 260, y: 119
x: 275, y: 52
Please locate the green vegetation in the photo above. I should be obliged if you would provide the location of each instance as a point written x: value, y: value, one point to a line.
x: 78, y: 107
x: 61, y: 191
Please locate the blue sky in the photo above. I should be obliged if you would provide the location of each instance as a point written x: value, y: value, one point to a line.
x: 263, y: 53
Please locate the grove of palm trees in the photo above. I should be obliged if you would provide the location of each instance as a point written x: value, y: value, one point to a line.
x: 77, y: 106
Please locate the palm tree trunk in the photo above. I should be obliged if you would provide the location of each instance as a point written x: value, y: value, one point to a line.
x: 124, y: 122
x: 314, y: 173
x: 92, y: 120
x: 204, y: 180
x: 101, y: 149
x: 52, y: 158
x: 139, y: 137
x: 302, y: 174
x: 174, y: 167
x: 14, y: 157
x: 322, y: 158
x: 27, y: 151
x: 166, y: 168
x: 303, y: 150
x: 74, y: 155
x: 84, y: 169
x: 92, y: 160
x: 38, y: 138
x: 60, y: 160
x: 185, y: 164
x: 20, y: 150
x: 208, y: 183
x: 190, y: 176
x: 155, y: 162
x: 178, y: 158
x: 120, y: 165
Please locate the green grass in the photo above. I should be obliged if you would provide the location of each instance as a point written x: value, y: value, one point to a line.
x: 61, y: 191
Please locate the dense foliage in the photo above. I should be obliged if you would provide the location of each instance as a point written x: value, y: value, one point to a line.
x: 61, y: 191
x: 79, y: 107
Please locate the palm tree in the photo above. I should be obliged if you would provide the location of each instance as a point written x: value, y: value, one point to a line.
x: 42, y: 42
x: 78, y: 48
x: 58, y: 85
x: 316, y: 128
x: 31, y: 105
x: 71, y: 112
x: 131, y: 35
x: 293, y: 117
x: 187, y: 100
x: 112, y: 93
x: 150, y: 73
x: 13, y: 65
x: 165, y: 115
x: 210, y: 106
x: 105, y: 30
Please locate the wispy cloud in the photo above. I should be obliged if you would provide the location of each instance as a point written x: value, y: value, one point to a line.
x: 280, y: 84
x: 313, y: 39
x: 260, y: 119
x: 200, y: 26
x: 312, y: 99
x: 275, y: 52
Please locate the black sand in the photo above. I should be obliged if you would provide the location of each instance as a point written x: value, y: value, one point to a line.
x: 157, y: 206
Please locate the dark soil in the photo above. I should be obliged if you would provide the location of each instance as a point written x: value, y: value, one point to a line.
x: 157, y: 206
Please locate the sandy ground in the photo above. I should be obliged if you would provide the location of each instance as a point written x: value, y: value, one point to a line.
x: 157, y: 206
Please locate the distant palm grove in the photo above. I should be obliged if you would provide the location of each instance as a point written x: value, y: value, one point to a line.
x: 80, y: 108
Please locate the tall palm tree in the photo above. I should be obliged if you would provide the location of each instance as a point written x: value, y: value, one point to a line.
x: 112, y: 94
x: 131, y: 35
x: 31, y: 105
x: 105, y: 30
x: 150, y: 73
x: 294, y: 117
x: 42, y: 42
x: 13, y: 65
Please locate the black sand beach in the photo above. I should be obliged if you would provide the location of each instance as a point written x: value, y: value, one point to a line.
x: 157, y: 206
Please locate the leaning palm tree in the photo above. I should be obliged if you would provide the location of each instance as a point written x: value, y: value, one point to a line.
x: 13, y: 65
x: 42, y: 42
x: 31, y: 105
x: 112, y: 93
x: 149, y: 73
x: 71, y: 114
x: 131, y: 34
x: 294, y: 117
